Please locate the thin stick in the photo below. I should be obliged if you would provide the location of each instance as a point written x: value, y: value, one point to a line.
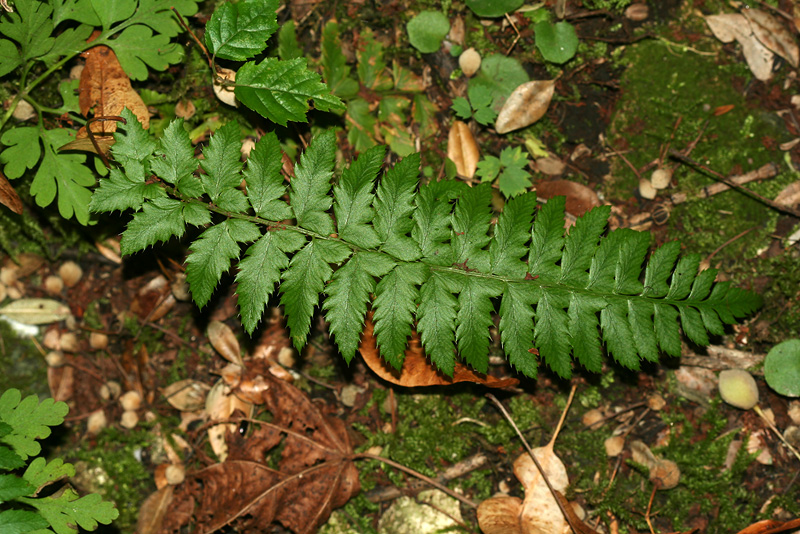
x: 774, y: 205
x: 777, y: 432
x: 514, y: 42
x: 550, y: 487
x: 94, y: 141
x: 417, y: 474
x: 196, y: 40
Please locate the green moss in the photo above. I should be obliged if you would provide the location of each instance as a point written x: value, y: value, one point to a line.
x: 127, y: 482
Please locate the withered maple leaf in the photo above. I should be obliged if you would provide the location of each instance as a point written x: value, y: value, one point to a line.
x: 314, y: 473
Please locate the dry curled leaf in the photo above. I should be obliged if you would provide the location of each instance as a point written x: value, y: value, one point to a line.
x: 526, y: 105
x: 773, y: 35
x: 540, y: 512
x: 580, y: 198
x: 9, y: 197
x: 224, y: 341
x: 106, y: 90
x: 500, y: 515
x: 417, y: 370
x: 313, y: 471
x: 186, y: 395
x: 462, y: 149
x: 734, y: 26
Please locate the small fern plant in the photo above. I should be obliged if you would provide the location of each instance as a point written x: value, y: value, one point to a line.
x: 419, y: 256
x: 22, y: 508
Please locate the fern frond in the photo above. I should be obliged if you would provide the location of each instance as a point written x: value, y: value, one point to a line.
x: 419, y: 256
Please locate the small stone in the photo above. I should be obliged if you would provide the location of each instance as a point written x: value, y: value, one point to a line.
x: 661, y: 178
x: 131, y: 400
x: 185, y: 109
x: 55, y: 358
x: 96, y: 422
x: 98, y: 341
x: 53, y: 284
x: 656, y: 402
x: 349, y: 394
x: 593, y: 418
x: 614, y: 446
x: 129, y: 419
x: 551, y: 166
x: 247, y: 146
x: 52, y: 339
x: 469, y: 61
x: 71, y: 273
x: 24, y: 111
x: 794, y: 412
x: 646, y: 189
x: 175, y: 474
x: 110, y: 390
x: 637, y: 12
x: 75, y: 72
x: 286, y: 357
x: 8, y: 275
x: 69, y: 342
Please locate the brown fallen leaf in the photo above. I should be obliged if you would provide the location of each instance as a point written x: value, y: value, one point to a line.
x: 417, y: 370
x: 728, y: 27
x: 314, y: 472
x: 526, y: 105
x: 462, y: 149
x: 224, y: 341
x: 153, y: 511
x: 9, y: 197
x: 105, y: 90
x: 770, y: 526
x: 580, y: 198
x: 773, y: 35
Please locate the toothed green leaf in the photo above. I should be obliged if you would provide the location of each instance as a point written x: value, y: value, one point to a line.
x: 395, y: 303
x: 239, y: 31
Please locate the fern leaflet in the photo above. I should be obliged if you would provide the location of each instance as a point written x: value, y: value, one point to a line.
x: 419, y: 256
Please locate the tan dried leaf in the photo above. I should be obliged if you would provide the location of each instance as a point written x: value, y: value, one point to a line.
x: 732, y: 26
x: 462, y: 149
x: 106, y: 89
x: 153, y: 511
x: 9, y: 197
x: 526, y: 105
x: 223, y: 90
x: 500, y: 515
x: 773, y: 35
x: 540, y: 511
x: 789, y: 195
x: 224, y: 341
x: 728, y: 27
x: 186, y: 395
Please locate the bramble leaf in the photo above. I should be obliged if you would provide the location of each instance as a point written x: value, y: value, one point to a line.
x: 239, y: 31
x: 280, y: 90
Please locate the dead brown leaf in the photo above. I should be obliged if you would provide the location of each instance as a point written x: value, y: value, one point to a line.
x: 9, y: 197
x: 314, y: 472
x: 224, y: 341
x: 773, y: 35
x: 462, y: 149
x: 417, y: 370
x: 526, y: 105
x: 770, y: 526
x: 153, y: 511
x: 580, y: 198
x: 106, y: 90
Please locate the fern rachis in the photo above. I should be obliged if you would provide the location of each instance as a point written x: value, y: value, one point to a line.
x: 420, y: 256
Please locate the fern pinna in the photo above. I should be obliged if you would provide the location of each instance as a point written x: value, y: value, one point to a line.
x: 420, y: 256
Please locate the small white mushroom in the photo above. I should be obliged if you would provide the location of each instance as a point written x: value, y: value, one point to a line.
x: 71, y: 273
x: 738, y: 388
x: 130, y: 400
x: 469, y: 61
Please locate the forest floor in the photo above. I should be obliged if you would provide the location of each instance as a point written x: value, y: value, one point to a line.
x: 637, y: 93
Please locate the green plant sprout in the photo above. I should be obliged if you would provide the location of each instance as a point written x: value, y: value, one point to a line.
x: 478, y: 107
x: 424, y: 256
x: 36, y: 41
x: 508, y: 170
x: 22, y: 422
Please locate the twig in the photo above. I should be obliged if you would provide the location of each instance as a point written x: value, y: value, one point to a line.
x: 196, y: 40
x: 707, y: 261
x: 516, y: 39
x: 774, y: 205
x: 94, y: 141
x: 767, y: 171
x: 417, y: 474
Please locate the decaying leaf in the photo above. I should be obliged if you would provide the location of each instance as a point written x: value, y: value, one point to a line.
x: 224, y: 341
x: 221, y: 403
x: 9, y: 197
x: 313, y: 474
x: 500, y: 515
x: 417, y: 370
x: 106, y: 90
x: 526, y: 105
x: 789, y: 195
x: 734, y: 26
x: 223, y: 88
x: 773, y: 35
x: 36, y: 311
x: 186, y: 395
x: 462, y: 149
x: 540, y: 512
x: 580, y: 198
x: 153, y: 511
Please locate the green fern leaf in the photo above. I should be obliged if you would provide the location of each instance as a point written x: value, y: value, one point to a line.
x: 159, y: 220
x: 260, y: 270
x: 395, y: 302
x: 264, y: 182
x: 304, y: 281
x: 425, y: 256
x: 511, y: 233
x: 394, y: 204
x: 353, y: 195
x: 348, y: 294
x: 211, y: 255
x: 311, y: 184
x: 222, y: 164
x: 436, y: 319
